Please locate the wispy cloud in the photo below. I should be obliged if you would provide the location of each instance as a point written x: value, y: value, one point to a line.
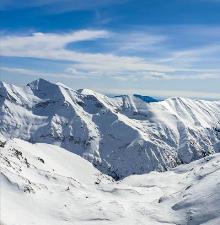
x: 41, y: 41
x: 34, y: 73
x: 67, y: 74
x: 136, y: 41
x: 173, y: 63
x: 72, y: 75
x: 53, y: 47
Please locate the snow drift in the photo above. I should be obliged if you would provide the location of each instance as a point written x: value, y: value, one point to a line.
x: 46, y: 185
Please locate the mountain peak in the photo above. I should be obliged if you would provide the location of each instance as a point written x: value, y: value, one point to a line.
x: 110, y: 132
x: 36, y: 84
x: 2, y: 83
x: 44, y: 89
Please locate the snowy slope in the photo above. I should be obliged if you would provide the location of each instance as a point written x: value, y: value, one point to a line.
x: 43, y: 184
x: 121, y: 136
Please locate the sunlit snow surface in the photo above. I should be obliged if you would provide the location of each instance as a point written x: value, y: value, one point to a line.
x: 43, y: 184
x: 120, y: 136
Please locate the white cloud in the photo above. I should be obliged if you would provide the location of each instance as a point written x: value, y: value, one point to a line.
x: 68, y: 75
x: 151, y: 92
x: 53, y: 47
x: 137, y: 41
x: 13, y: 45
x: 34, y: 73
x: 175, y: 64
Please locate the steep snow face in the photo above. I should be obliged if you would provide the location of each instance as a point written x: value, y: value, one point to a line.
x: 46, y: 185
x: 121, y: 136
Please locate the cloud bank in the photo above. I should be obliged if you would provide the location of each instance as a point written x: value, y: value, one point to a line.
x: 133, y: 56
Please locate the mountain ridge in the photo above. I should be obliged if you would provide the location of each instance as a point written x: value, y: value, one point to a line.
x: 120, y: 136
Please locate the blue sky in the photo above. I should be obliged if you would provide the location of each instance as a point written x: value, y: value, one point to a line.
x: 151, y: 47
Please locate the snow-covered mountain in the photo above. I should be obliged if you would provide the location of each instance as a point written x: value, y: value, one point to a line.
x: 44, y: 184
x: 121, y: 136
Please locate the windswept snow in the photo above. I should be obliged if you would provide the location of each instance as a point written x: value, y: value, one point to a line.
x: 43, y: 184
x: 121, y: 136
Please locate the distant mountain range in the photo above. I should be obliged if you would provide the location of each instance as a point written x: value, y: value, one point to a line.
x: 147, y: 99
